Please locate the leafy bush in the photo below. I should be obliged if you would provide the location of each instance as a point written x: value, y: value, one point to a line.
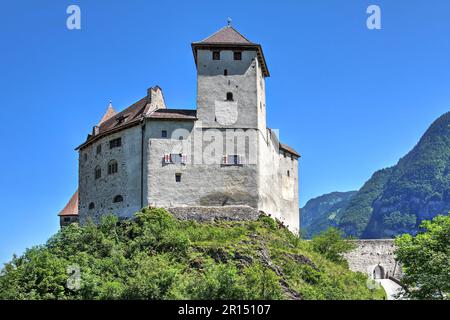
x: 425, y: 260
x: 155, y: 256
x: 331, y: 245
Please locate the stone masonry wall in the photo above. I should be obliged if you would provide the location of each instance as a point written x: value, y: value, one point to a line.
x: 370, y: 253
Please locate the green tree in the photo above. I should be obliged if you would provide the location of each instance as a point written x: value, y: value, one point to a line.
x: 332, y: 245
x: 425, y: 259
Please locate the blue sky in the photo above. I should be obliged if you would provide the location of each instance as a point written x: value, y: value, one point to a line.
x: 349, y: 99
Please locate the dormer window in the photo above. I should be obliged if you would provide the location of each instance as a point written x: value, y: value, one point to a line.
x: 229, y: 96
x: 216, y: 55
x: 237, y: 55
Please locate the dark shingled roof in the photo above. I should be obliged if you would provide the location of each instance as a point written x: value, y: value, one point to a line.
x: 133, y: 115
x: 71, y: 208
x: 285, y: 147
x: 227, y: 35
x: 174, y: 114
x: 230, y: 38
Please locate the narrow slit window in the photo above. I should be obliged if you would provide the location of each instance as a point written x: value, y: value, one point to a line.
x: 225, y: 72
x: 178, y: 177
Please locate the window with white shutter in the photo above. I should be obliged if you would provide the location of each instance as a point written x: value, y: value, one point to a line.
x: 167, y: 158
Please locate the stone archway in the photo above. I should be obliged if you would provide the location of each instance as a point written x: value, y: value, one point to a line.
x: 378, y: 272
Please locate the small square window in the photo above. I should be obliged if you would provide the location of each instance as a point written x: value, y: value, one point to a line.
x: 115, y: 143
x: 178, y: 177
x: 237, y: 55
x: 216, y: 55
x: 164, y: 134
x: 66, y: 219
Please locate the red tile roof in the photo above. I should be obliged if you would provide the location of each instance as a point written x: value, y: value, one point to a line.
x: 71, y: 208
x: 110, y: 112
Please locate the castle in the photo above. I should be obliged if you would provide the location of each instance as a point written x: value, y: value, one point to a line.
x: 220, y: 155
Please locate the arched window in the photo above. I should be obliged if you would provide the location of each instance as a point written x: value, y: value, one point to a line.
x: 91, y: 206
x: 225, y: 72
x: 98, y: 172
x: 118, y: 198
x: 229, y: 96
x: 112, y: 167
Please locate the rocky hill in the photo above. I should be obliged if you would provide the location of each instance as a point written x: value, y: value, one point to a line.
x: 323, y: 212
x: 156, y: 256
x: 396, y: 200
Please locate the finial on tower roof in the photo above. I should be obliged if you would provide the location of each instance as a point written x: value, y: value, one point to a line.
x: 229, y: 21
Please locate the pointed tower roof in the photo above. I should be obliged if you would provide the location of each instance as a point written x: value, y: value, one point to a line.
x: 226, y: 35
x: 228, y: 38
x: 71, y: 208
x: 110, y: 112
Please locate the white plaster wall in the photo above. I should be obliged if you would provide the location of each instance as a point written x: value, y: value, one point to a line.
x: 212, y: 87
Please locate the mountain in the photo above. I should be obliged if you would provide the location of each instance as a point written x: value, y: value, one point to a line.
x: 323, y: 212
x: 395, y: 200
x: 156, y: 256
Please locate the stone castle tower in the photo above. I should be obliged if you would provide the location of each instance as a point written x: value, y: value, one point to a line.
x: 219, y: 156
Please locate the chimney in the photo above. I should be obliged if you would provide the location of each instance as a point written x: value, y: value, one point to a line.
x: 155, y: 99
x: 95, y: 130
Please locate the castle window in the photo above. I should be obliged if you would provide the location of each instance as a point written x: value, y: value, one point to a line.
x: 232, y: 160
x: 99, y: 149
x: 288, y: 173
x: 225, y: 72
x: 85, y: 157
x: 216, y: 55
x: 118, y: 198
x: 98, y: 172
x: 112, y: 167
x: 115, y: 143
x: 237, y: 55
x: 177, y: 177
x: 164, y: 134
x: 91, y: 206
x: 229, y: 96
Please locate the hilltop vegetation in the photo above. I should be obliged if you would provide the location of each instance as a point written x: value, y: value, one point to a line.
x: 155, y: 256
